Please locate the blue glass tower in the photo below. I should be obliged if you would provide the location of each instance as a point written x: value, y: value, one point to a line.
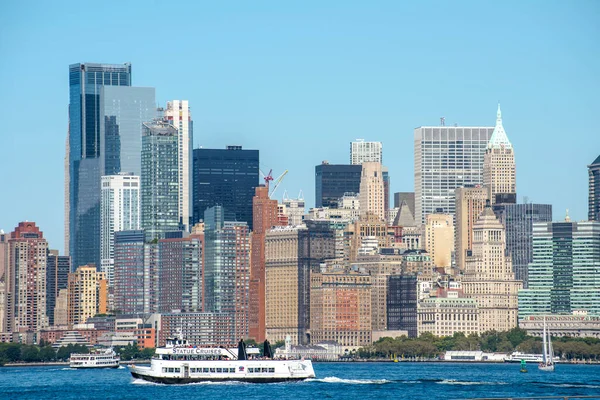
x: 85, y: 85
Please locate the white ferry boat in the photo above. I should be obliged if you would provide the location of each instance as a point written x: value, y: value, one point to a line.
x: 533, y: 358
x: 98, y: 359
x: 178, y: 363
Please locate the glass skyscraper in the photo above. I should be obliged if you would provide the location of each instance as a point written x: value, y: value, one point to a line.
x: 160, y: 180
x: 333, y: 181
x: 225, y: 178
x: 518, y: 220
x: 564, y: 275
x: 105, y: 129
x: 594, y: 193
x: 446, y: 158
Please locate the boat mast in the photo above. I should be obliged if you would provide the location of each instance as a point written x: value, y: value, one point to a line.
x: 544, y: 345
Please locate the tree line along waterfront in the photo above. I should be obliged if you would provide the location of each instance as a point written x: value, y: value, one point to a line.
x: 432, y: 347
x: 44, y: 352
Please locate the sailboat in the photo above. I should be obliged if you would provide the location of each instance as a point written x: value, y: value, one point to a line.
x: 547, y: 363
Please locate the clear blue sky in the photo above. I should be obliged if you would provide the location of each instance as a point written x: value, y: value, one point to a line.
x: 300, y: 80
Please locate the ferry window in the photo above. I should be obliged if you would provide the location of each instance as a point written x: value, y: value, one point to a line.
x: 177, y: 370
x: 232, y: 370
x: 250, y: 370
x: 265, y: 370
x: 212, y: 370
x: 205, y: 370
x: 219, y: 370
x: 170, y: 369
x: 271, y: 369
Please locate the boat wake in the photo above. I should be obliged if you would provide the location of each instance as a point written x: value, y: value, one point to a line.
x: 569, y: 385
x: 333, y: 379
x: 466, y: 383
x: 68, y: 369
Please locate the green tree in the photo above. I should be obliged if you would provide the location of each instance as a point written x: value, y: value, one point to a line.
x: 47, y: 353
x: 30, y: 353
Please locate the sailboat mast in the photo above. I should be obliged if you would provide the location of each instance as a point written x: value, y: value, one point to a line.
x: 544, y: 345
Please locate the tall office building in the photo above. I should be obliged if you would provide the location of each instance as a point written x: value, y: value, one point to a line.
x: 361, y: 151
x: 27, y: 287
x: 446, y: 158
x: 282, y: 267
x: 88, y: 294
x: 470, y: 202
x: 594, y: 191
x: 160, y: 180
x: 226, y: 178
x: 333, y: 181
x: 227, y: 268
x: 371, y: 193
x: 5, y: 295
x: 499, y: 170
x: 518, y: 220
x: 95, y: 141
x: 57, y: 277
x: 564, y: 274
x: 178, y: 114
x: 439, y: 239
x: 401, y: 304
x: 264, y: 215
x: 180, y: 274
x: 119, y: 211
x: 489, y: 278
x: 294, y: 209
x: 128, y: 283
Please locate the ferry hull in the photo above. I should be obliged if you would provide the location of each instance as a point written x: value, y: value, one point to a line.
x: 94, y: 366
x: 180, y: 381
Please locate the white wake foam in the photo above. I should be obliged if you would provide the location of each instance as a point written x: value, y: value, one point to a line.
x: 455, y: 382
x: 334, y: 379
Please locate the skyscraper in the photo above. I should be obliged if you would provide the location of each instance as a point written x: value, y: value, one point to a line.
x: 227, y: 268
x: 371, y: 193
x: 446, y: 158
x: 439, y: 239
x: 88, y: 294
x: 178, y: 114
x: 594, y: 193
x: 5, y: 294
x: 361, y: 151
x: 128, y: 282
x: 499, y: 170
x: 333, y: 181
x: 470, y: 202
x: 564, y: 274
x: 83, y: 194
x: 119, y: 211
x: 401, y: 303
x: 518, y: 220
x: 27, y: 287
x: 264, y: 214
x: 180, y: 274
x: 226, y: 178
x: 489, y: 278
x: 160, y: 180
x: 57, y: 276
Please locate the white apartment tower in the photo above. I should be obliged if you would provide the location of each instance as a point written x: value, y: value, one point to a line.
x: 446, y: 158
x: 119, y: 211
x: 179, y: 115
x: 361, y: 151
x: 371, y: 196
x: 499, y: 169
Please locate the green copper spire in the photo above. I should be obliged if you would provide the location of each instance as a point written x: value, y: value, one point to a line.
x: 499, y: 138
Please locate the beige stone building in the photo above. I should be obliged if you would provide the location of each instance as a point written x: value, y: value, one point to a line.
x: 470, y: 202
x: 369, y: 226
x: 439, y: 239
x: 61, y: 309
x: 340, y: 308
x: 281, y: 270
x: 488, y: 277
x: 87, y: 290
x: 499, y: 168
x: 380, y: 267
x: 372, y: 194
x: 447, y: 313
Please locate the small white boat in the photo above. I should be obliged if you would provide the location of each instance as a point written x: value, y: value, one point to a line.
x: 547, y: 363
x: 179, y: 362
x: 97, y: 359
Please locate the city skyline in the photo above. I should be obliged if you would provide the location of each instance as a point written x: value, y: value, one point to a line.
x: 547, y: 96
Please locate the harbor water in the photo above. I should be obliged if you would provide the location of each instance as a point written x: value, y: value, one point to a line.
x: 359, y: 381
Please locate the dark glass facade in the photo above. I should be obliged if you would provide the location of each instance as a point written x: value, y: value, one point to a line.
x: 402, y: 303
x: 57, y: 277
x: 518, y: 220
x: 332, y: 181
x: 85, y: 85
x: 225, y: 178
x: 594, y: 193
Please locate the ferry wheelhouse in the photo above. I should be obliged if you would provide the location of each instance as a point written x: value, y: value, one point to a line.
x: 98, y: 359
x: 178, y: 363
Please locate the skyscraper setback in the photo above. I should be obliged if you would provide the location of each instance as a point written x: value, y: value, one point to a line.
x: 499, y: 171
x: 446, y: 158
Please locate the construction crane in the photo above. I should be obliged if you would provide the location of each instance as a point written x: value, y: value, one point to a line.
x: 276, y: 182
